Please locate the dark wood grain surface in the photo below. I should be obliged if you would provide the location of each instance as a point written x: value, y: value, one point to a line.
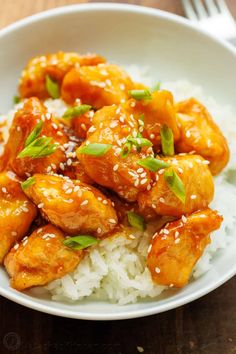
x: 206, y: 326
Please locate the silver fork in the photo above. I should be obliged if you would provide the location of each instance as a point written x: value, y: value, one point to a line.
x: 213, y: 16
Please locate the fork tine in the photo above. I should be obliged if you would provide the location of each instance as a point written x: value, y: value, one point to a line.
x: 211, y: 7
x: 190, y: 12
x: 222, y: 6
x: 200, y: 9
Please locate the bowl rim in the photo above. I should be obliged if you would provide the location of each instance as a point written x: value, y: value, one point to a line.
x: 24, y: 300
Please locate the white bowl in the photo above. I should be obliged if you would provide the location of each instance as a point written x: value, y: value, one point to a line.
x: 174, y: 49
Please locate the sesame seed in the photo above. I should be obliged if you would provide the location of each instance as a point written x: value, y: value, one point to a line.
x: 24, y: 209
x: 154, y: 206
x: 180, y: 170
x: 136, y: 182
x: 149, y: 187
x: 193, y: 196
x: 100, y: 199
x: 132, y: 104
x: 115, y: 168
x: 59, y: 133
x: 39, y: 230
x: 54, y: 126
x: 25, y: 242
x: 62, y: 167
x: 112, y: 221
x: 152, y: 136
x: 76, y: 188
x: 69, y: 162
x: 188, y: 134
x: 83, y: 126
x: 157, y: 270
x: 84, y: 202
x: 122, y: 87
x: 157, y: 177
x: 161, y: 171
x: 166, y: 232
x: 149, y: 249
x: 143, y: 181
x: 190, y: 165
x: 105, y: 201
x: 176, y: 234
x: 40, y: 205
x: 48, y: 116
x: 144, y: 174
x: 171, y: 285
x: 14, y: 233
x: 184, y: 219
x: 18, y: 129
x: 162, y: 200
x: 132, y: 236
x: 99, y: 230
x: 205, y: 162
x: 177, y: 240
x: 140, y: 170
x: 16, y: 246
x: 68, y: 191
x: 4, y: 190
x: 91, y: 129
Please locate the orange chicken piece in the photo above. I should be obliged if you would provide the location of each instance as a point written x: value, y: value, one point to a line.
x: 16, y: 212
x: 176, y: 248
x: 198, y: 132
x: 157, y: 111
x: 198, y: 182
x: 101, y: 85
x: 32, y: 81
x: 112, y: 125
x: 40, y: 258
x: 23, y: 124
x: 73, y: 206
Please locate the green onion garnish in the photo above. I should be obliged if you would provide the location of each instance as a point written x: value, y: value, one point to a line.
x: 156, y: 87
x: 80, y: 242
x: 52, y: 87
x: 136, y: 221
x: 153, y: 164
x: 29, y: 182
x: 94, y: 149
x: 126, y: 149
x: 76, y: 111
x: 16, y: 99
x: 139, y: 142
x: 167, y: 141
x: 35, y: 133
x: 38, y: 148
x: 140, y: 94
x: 175, y: 184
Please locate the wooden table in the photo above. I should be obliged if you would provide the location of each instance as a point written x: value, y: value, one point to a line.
x: 206, y: 326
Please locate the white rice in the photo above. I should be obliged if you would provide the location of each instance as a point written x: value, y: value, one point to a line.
x: 115, y: 269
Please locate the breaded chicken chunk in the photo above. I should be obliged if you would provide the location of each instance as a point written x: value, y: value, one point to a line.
x: 33, y: 82
x: 73, y: 206
x: 113, y: 126
x: 40, y: 258
x: 98, y: 86
x: 198, y: 183
x: 175, y: 249
x: 199, y: 132
x: 24, y: 123
x: 16, y: 212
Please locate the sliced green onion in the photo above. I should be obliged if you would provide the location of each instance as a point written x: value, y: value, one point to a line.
x: 136, y: 221
x: 16, y: 99
x: 80, y: 242
x: 34, y: 134
x: 76, y: 111
x: 139, y: 142
x: 156, y: 87
x: 153, y: 164
x: 126, y: 149
x: 38, y: 148
x: 175, y: 184
x: 52, y: 87
x: 29, y: 182
x: 95, y: 149
x: 167, y: 141
x: 140, y: 94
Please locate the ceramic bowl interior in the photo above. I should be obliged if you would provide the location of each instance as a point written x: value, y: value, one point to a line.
x: 173, y: 49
